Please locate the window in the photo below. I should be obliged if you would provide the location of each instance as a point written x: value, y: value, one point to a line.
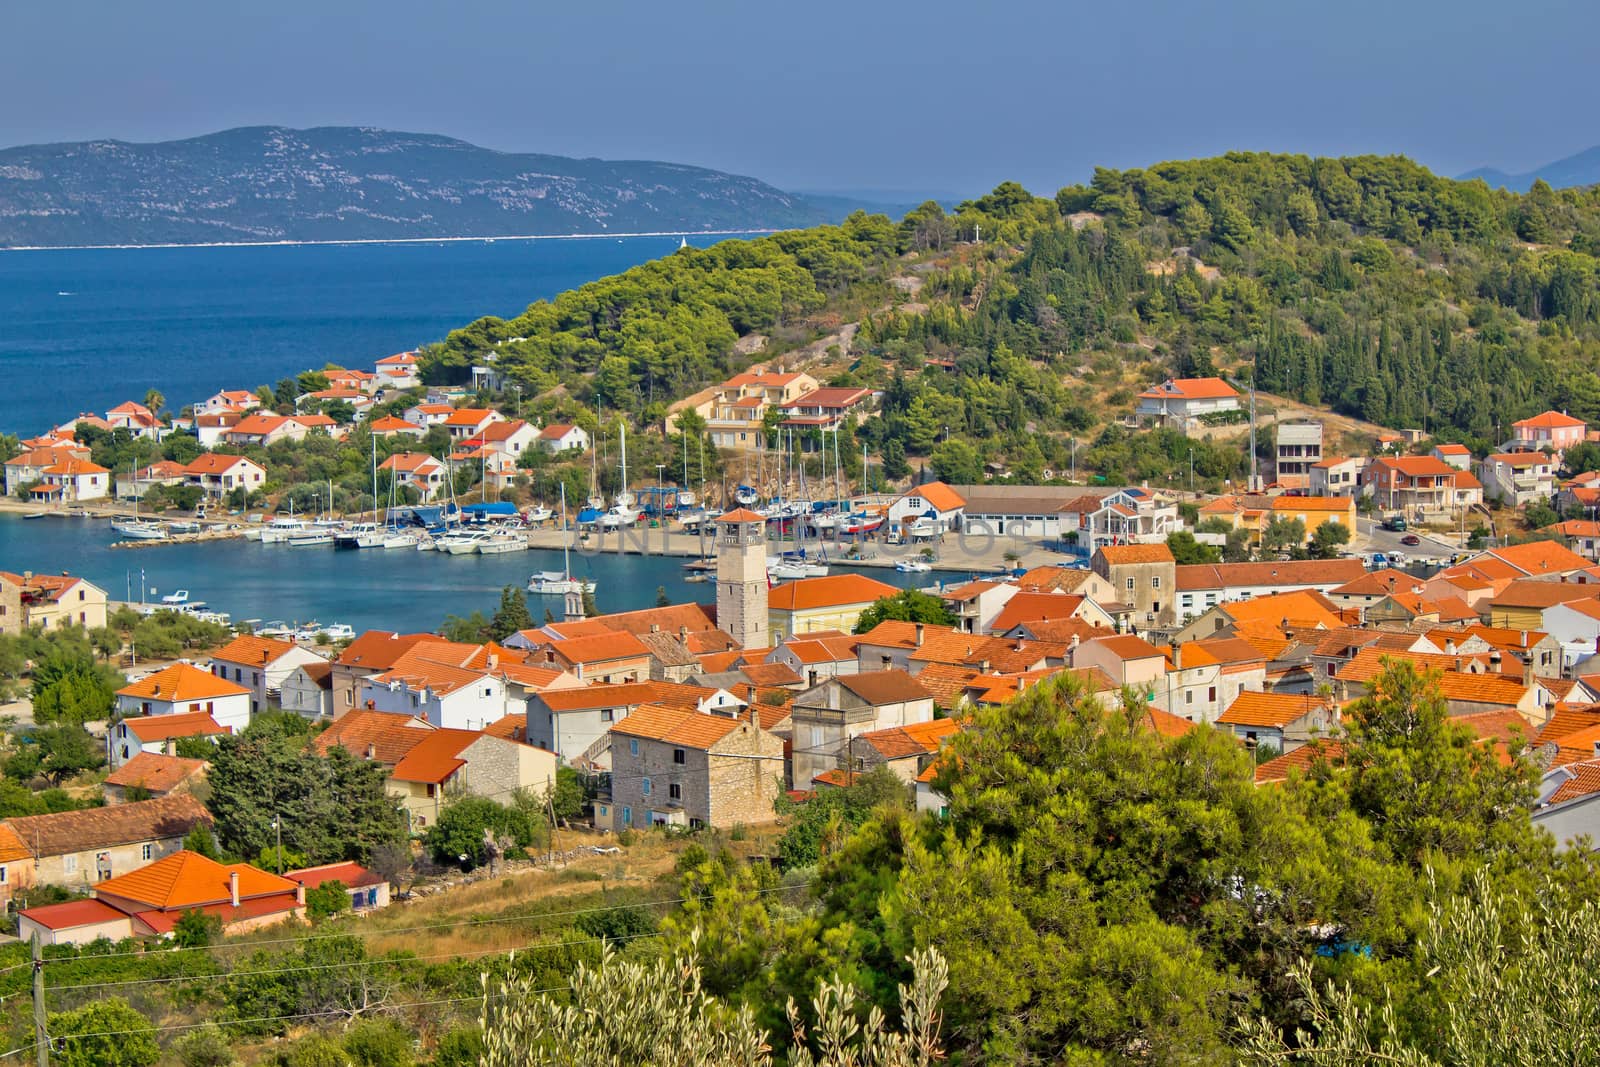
x: 69, y: 864
x: 145, y: 851
x: 644, y: 787
x: 1188, y: 696
x: 633, y: 746
x: 627, y: 816
x: 1211, y: 694
x: 2, y: 876
x: 432, y: 789
x: 1130, y: 585
x: 605, y: 714
x: 1155, y: 581
x: 677, y: 755
x: 674, y: 792
x: 238, y: 674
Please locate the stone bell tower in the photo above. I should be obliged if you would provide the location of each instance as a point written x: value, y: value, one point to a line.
x: 742, y: 577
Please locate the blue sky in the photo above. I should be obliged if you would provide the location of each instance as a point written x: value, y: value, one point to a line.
x: 928, y: 96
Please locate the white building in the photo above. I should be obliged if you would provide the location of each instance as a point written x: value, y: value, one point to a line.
x: 185, y: 689
x: 564, y: 437
x: 1181, y: 401
x: 261, y: 665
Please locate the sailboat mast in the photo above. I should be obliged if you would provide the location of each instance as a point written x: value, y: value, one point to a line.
x: 566, y: 536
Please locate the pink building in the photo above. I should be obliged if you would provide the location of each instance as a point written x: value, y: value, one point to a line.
x: 1555, y: 430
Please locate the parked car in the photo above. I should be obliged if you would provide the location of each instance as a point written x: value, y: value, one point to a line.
x: 1411, y: 539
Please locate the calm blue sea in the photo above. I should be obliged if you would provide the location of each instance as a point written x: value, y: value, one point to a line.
x: 84, y: 329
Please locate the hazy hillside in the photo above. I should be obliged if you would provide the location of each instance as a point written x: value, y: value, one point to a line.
x: 268, y: 183
x: 1580, y: 169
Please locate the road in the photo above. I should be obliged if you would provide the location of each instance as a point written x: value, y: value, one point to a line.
x: 1371, y: 537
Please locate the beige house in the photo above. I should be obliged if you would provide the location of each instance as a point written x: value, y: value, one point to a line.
x: 828, y: 717
x: 76, y: 849
x: 735, y: 410
x: 674, y: 767
x: 49, y: 601
x: 369, y: 655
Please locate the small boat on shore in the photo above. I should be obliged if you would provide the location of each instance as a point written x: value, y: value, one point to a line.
x: 916, y: 566
x: 183, y: 526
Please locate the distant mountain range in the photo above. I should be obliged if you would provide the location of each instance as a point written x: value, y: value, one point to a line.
x: 1580, y: 169
x: 268, y: 183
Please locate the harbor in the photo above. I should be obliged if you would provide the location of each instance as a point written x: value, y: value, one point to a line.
x: 251, y: 580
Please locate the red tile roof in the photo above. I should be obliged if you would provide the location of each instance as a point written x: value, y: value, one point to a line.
x: 938, y: 494
x: 1120, y: 555
x: 379, y: 735
x: 157, y: 772
x: 1549, y: 420
x: 117, y: 824
x: 435, y: 757
x: 188, y: 880
x: 1269, y: 709
x: 836, y: 590
x: 674, y: 726
x: 250, y: 650
x: 148, y: 728
x: 351, y: 875
x: 1191, y: 389
x: 73, y: 913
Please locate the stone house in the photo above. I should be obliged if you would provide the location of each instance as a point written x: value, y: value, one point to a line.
x: 49, y: 601
x: 153, y: 774
x: 672, y: 767
x: 1142, y: 575
x: 76, y: 849
x: 825, y: 717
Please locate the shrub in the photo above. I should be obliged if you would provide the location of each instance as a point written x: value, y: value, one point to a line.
x: 205, y: 1047
x: 327, y: 900
x: 313, y: 1051
x: 379, y: 1043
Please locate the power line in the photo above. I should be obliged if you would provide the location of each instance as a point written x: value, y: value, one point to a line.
x: 376, y: 961
x: 242, y: 945
x: 18, y: 1051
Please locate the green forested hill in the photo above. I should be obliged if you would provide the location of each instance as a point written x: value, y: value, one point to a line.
x: 1368, y: 285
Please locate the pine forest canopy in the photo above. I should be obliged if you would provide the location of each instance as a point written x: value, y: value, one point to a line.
x: 1367, y: 285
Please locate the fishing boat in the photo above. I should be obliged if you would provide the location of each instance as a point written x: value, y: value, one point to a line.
x: 560, y: 583
x: 310, y: 537
x: 359, y: 535
x: 37, y: 515
x: 501, y: 541
x: 140, y: 529
x: 861, y: 524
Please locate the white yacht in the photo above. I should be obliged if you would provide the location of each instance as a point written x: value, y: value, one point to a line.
x: 913, y: 565
x: 556, y: 583
x: 280, y: 529
x: 140, y: 530
x: 461, y: 544
x: 538, y: 513
x: 621, y: 515
x: 310, y: 537
x: 401, y: 539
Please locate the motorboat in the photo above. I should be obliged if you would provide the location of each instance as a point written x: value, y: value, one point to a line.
x: 175, y: 599
x: 557, y: 583
x: 913, y: 566
x: 140, y: 530
x: 503, y: 541
x: 310, y: 537
x: 779, y: 571
x: 538, y: 513
x: 402, y: 539
x: 183, y: 526
x: 279, y: 530
x: 461, y: 544
x: 337, y: 631
x: 692, y: 520
x: 923, y: 528
x: 359, y: 535
x: 746, y: 495
x: 686, y: 498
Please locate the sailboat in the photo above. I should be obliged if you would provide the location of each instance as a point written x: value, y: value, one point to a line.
x: 135, y: 529
x: 363, y: 534
x: 622, y: 513
x: 590, y: 513
x: 560, y: 583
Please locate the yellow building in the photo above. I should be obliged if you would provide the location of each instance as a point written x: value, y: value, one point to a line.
x: 807, y: 605
x: 49, y: 601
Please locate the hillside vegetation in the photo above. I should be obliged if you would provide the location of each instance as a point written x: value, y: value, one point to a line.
x: 1367, y: 285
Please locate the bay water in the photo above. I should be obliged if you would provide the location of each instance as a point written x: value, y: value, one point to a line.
x: 83, y: 329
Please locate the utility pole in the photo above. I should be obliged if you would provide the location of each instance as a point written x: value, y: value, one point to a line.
x: 41, y: 1040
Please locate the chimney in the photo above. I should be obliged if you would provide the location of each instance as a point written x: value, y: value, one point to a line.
x: 372, y: 750
x: 683, y: 634
x: 1527, y: 673
x: 920, y: 629
x: 233, y: 887
x: 494, y: 661
x: 983, y: 666
x: 300, y: 895
x: 1450, y: 647
x: 1494, y: 660
x: 655, y: 627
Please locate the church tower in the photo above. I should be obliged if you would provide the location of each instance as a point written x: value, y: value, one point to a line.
x: 742, y: 577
